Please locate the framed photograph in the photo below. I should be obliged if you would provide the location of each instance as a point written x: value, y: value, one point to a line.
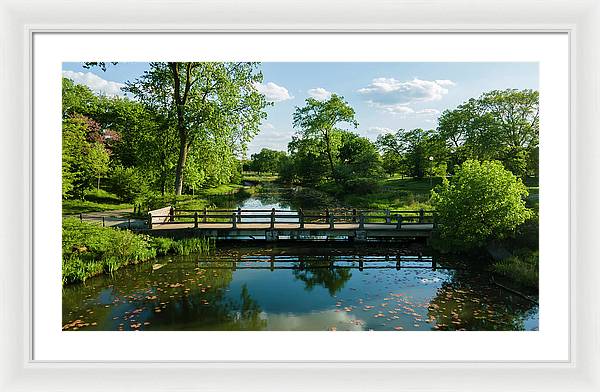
x: 235, y: 196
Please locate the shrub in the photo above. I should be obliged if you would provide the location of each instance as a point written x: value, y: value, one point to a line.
x: 482, y: 202
x: 360, y: 186
x: 128, y: 183
x: 89, y: 249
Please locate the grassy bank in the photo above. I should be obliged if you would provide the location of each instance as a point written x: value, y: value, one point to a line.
x: 95, y: 200
x: 521, y: 268
x: 89, y: 250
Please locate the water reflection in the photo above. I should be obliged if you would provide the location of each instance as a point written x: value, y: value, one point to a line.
x: 282, y: 287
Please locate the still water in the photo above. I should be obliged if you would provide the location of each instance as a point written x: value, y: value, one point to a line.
x: 300, y: 286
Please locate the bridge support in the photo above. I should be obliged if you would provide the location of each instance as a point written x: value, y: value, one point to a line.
x: 361, y: 236
x: 271, y: 235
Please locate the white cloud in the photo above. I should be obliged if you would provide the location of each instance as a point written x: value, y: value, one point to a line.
x: 428, y: 112
x: 390, y: 91
x: 319, y: 93
x: 270, y: 137
x: 273, y: 92
x: 373, y: 132
x: 397, y: 109
x: 95, y: 83
x: 445, y: 82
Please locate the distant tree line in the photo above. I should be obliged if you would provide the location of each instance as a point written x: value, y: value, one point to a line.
x: 499, y: 125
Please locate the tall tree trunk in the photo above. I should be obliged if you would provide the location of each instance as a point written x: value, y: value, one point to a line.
x: 330, y: 156
x: 183, y: 150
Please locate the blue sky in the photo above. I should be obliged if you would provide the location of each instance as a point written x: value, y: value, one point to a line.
x: 385, y: 96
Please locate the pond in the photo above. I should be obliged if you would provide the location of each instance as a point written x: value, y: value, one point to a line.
x: 298, y: 286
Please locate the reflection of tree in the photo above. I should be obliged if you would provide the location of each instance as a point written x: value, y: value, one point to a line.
x: 462, y: 303
x: 175, y: 297
x: 316, y: 273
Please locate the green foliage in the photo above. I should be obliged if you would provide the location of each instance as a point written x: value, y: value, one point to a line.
x: 499, y: 125
x: 357, y: 157
x: 128, y: 183
x: 84, y: 160
x: 89, y: 249
x: 416, y: 153
x: 482, y: 202
x: 318, y: 119
x: 212, y: 104
x: 521, y: 268
x: 266, y: 160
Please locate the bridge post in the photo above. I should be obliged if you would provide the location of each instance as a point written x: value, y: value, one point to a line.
x: 301, y: 218
x: 361, y: 221
x: 195, y: 219
x: 272, y: 218
x: 331, y: 219
x: 149, y: 221
x: 433, y: 263
x: 204, y: 216
x: 233, y: 221
x: 172, y: 215
x: 388, y: 218
x: 360, y: 263
x: 398, y: 265
x: 421, y: 215
x: 398, y: 221
x: 80, y: 217
x: 239, y: 213
x: 354, y: 215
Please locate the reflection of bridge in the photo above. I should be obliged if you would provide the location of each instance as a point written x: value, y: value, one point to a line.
x: 353, y: 224
x: 359, y: 262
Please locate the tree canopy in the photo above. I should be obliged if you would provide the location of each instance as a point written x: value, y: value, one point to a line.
x: 482, y: 201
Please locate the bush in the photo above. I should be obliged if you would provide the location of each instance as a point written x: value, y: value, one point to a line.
x: 128, y: 183
x: 482, y: 202
x: 360, y: 186
x: 89, y: 249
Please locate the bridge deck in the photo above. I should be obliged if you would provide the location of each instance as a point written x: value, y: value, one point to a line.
x: 273, y: 224
x: 293, y: 226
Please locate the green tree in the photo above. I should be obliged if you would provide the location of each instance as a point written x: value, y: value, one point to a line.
x: 84, y: 159
x: 318, y: 120
x: 78, y: 99
x: 267, y: 160
x: 421, y: 152
x: 207, y: 100
x: 358, y: 157
x: 500, y: 124
x: 308, y: 163
x: 482, y: 202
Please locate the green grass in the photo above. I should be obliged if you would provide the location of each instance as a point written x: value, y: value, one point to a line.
x: 263, y: 177
x: 521, y: 268
x: 395, y: 193
x: 89, y: 250
x: 96, y: 200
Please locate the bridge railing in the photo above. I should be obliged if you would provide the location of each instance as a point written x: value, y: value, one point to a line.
x: 359, y: 218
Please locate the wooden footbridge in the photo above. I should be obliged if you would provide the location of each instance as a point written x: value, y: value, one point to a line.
x: 274, y: 224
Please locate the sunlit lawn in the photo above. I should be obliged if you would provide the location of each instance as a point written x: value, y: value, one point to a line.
x: 96, y: 200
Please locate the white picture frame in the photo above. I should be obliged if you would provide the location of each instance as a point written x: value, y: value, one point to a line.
x: 18, y: 23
